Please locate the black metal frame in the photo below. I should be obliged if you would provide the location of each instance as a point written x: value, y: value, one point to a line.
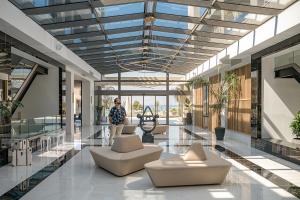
x: 211, y: 48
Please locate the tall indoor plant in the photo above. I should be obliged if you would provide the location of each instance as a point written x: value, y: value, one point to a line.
x: 188, y: 105
x: 295, y: 126
x: 222, y: 94
x: 6, y: 108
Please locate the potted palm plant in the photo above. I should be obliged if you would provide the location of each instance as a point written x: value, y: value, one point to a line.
x: 295, y: 126
x: 188, y: 105
x: 222, y: 94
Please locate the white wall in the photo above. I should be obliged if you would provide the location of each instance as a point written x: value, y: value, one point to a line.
x: 280, y: 100
x: 42, y: 98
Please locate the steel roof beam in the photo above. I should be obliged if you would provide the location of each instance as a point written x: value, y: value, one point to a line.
x: 154, y: 28
x: 189, y: 49
x: 75, y: 6
x: 150, y: 59
x: 247, y: 8
x: 97, y: 33
x: 159, y: 38
x: 87, y: 22
x: 162, y: 52
x: 193, y: 42
x: 164, y: 46
x: 102, y: 42
x: 196, y: 58
x: 196, y: 33
x: 182, y: 54
x: 106, y: 55
x: 134, y: 56
x: 196, y: 3
x: 195, y: 20
x: 227, y: 6
x: 112, y: 57
x: 212, y: 22
x: 104, y: 49
x: 57, y: 8
x: 78, y: 35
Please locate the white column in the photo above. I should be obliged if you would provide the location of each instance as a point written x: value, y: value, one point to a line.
x: 70, y: 105
x: 87, y: 103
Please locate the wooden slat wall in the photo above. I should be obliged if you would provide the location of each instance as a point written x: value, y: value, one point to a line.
x: 213, y: 117
x: 239, y: 109
x: 198, y: 106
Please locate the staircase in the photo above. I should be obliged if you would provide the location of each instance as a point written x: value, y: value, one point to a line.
x: 22, y: 77
x: 291, y: 70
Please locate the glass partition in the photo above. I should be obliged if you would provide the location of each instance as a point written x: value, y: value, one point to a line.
x: 289, y: 58
x: 136, y: 104
x: 175, y: 110
x: 137, y: 108
x: 126, y: 102
x: 107, y: 102
x: 27, y: 128
x: 161, y: 108
x: 143, y: 85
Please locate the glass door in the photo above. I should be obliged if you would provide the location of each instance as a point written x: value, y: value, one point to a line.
x: 149, y: 101
x: 161, y: 108
x: 175, y: 110
x: 137, y: 105
x: 107, y: 102
x: 126, y: 103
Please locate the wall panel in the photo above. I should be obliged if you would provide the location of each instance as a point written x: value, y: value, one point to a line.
x: 214, y: 81
x: 239, y: 108
x: 198, y: 106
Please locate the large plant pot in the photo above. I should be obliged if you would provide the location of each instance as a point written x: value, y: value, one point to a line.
x: 220, y: 133
x: 189, y: 118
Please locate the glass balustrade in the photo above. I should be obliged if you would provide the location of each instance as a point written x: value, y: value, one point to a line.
x: 27, y: 128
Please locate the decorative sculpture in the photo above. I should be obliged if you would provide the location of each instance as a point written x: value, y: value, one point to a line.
x: 145, y: 126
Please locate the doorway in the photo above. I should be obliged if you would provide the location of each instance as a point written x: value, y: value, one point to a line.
x: 136, y: 104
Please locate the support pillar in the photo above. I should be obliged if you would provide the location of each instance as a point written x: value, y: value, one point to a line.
x: 167, y: 99
x: 87, y: 103
x: 70, y: 106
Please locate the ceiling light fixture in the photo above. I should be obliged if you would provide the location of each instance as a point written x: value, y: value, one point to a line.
x: 149, y: 19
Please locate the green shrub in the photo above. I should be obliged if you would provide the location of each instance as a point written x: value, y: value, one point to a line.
x: 295, y: 125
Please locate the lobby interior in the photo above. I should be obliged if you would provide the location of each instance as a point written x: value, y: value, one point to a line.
x: 211, y: 90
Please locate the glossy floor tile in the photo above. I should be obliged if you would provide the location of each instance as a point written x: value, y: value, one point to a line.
x: 253, y: 176
x: 81, y: 179
x: 11, y: 176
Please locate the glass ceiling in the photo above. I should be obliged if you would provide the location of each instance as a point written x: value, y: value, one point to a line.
x: 114, y: 32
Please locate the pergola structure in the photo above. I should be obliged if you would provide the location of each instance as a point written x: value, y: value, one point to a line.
x: 158, y: 35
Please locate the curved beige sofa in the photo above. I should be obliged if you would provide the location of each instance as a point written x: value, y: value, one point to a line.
x: 159, y: 129
x: 127, y: 155
x: 129, y: 129
x: 196, y: 167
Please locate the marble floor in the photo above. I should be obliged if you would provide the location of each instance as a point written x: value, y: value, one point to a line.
x: 12, y: 176
x: 79, y: 178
